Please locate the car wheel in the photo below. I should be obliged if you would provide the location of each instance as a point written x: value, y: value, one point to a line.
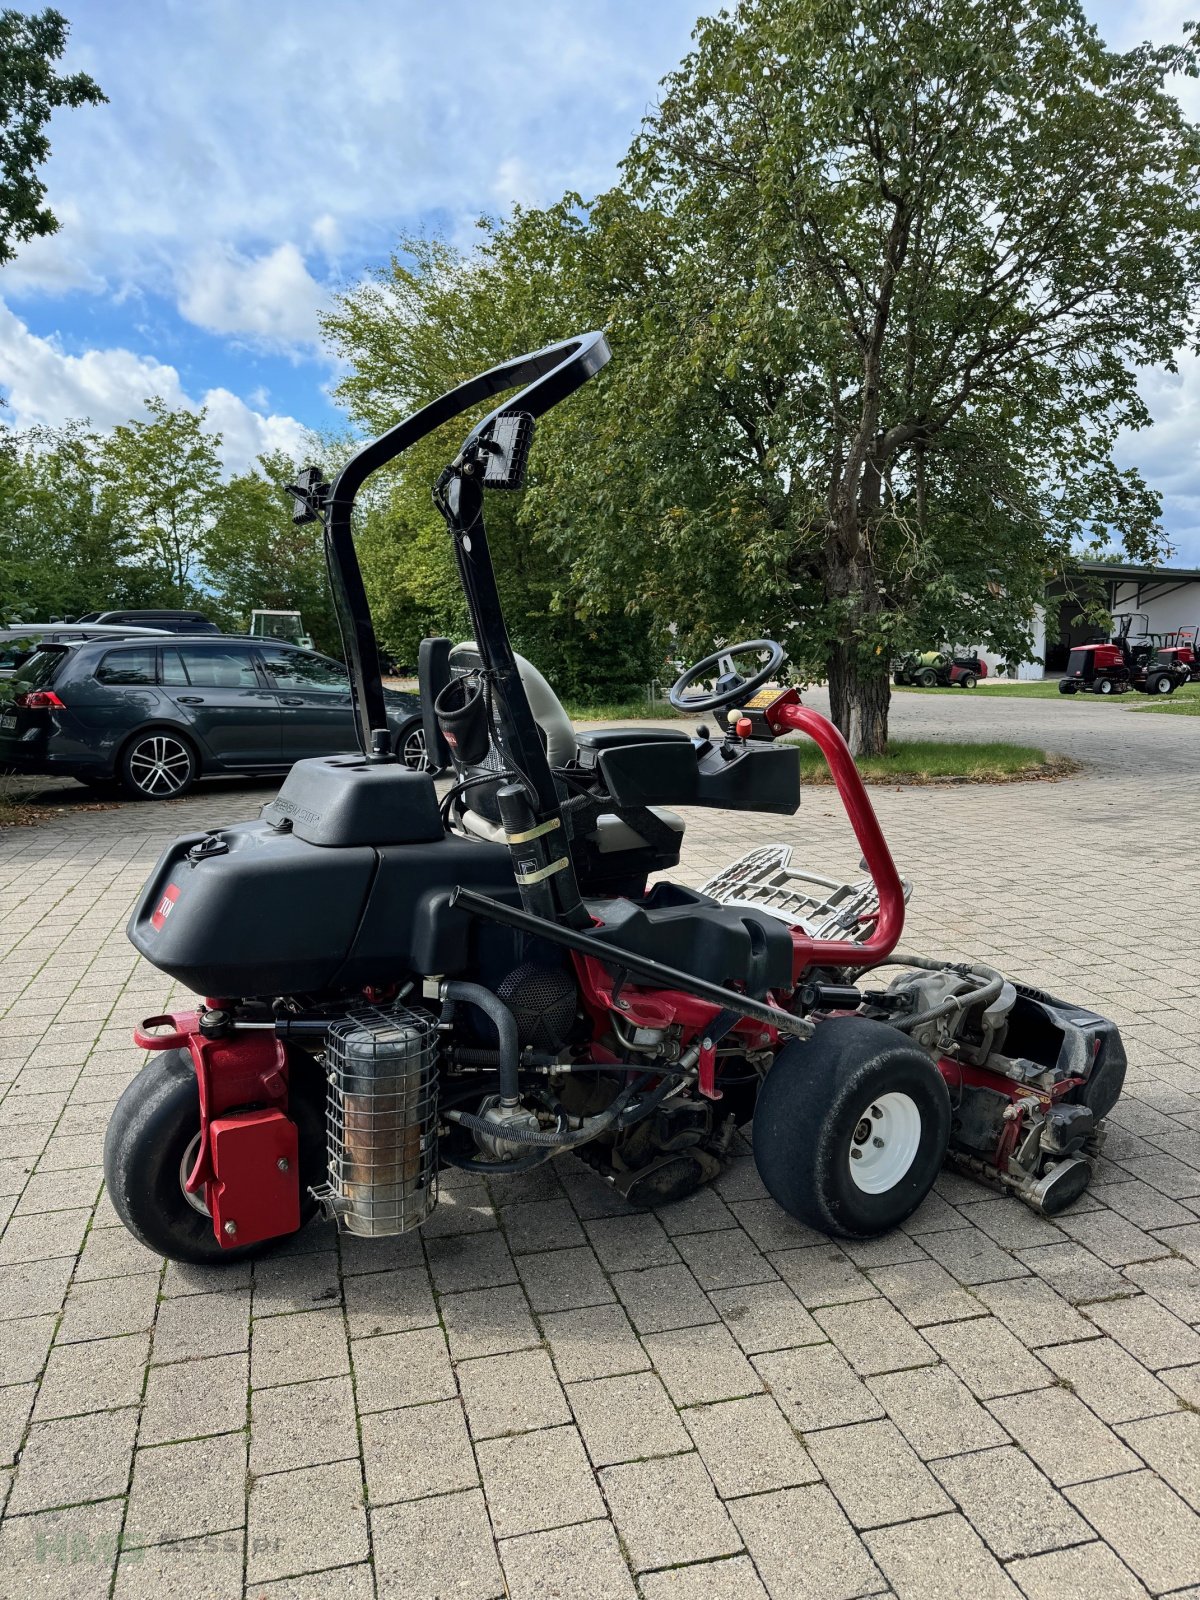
x: 158, y: 765
x: 851, y: 1128
x: 410, y: 747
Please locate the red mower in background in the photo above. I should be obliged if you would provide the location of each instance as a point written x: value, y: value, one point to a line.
x: 399, y: 980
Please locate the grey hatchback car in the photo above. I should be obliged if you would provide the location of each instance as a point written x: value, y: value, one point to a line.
x: 150, y: 716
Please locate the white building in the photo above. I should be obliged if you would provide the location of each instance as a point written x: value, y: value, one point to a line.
x: 1161, y: 600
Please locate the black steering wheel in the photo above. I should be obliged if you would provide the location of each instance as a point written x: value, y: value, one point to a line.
x: 731, y: 688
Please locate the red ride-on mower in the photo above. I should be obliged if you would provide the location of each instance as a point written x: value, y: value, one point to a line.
x: 398, y: 983
x: 1097, y: 669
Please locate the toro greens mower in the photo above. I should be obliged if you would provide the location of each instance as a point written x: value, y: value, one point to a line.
x: 399, y: 981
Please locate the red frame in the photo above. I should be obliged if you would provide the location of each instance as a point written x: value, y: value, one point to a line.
x: 237, y: 1164
x: 660, y: 1008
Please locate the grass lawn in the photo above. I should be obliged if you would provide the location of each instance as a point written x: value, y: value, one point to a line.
x: 1184, y: 702
x: 940, y: 761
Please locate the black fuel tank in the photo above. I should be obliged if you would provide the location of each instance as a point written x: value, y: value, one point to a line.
x: 253, y: 910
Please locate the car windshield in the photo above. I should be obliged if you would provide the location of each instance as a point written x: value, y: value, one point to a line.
x: 40, y: 668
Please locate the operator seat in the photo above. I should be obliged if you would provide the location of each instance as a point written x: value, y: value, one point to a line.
x: 612, y: 855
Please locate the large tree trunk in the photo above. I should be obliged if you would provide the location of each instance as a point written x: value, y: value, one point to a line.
x: 858, y: 702
x: 859, y: 688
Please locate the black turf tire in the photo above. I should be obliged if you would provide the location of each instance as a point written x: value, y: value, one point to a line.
x: 967, y: 681
x: 926, y: 679
x: 1065, y: 687
x: 813, y: 1098
x: 1105, y: 686
x: 152, y: 1125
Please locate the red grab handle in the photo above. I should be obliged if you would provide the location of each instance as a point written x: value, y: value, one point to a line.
x: 889, y: 924
x: 181, y: 1025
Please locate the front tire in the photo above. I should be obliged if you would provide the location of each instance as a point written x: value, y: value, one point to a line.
x: 851, y: 1128
x: 1105, y: 686
x: 926, y: 679
x: 154, y: 1126
x: 1162, y: 685
x: 968, y: 680
x: 158, y: 765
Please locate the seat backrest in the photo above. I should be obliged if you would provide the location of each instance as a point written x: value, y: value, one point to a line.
x: 547, y: 708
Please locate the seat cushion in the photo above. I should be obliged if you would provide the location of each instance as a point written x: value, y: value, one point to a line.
x: 611, y: 738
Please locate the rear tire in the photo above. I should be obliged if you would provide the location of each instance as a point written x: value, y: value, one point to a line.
x: 967, y: 681
x: 1161, y: 685
x: 158, y: 765
x: 851, y: 1128
x: 149, y: 1133
x: 1065, y: 686
x: 1105, y: 686
x: 926, y: 679
x: 410, y: 746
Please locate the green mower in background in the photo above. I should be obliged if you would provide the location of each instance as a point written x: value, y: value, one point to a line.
x: 933, y: 669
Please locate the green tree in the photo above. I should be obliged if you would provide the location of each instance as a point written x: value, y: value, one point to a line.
x: 894, y: 265
x: 30, y: 90
x: 254, y: 556
x: 62, y: 549
x: 427, y: 321
x: 162, y: 479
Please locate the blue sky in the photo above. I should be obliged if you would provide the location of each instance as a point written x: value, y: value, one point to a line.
x: 255, y: 157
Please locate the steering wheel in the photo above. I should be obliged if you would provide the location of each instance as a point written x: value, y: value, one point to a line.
x: 731, y: 688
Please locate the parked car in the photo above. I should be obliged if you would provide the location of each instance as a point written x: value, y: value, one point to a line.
x: 151, y: 716
x: 165, y: 621
x: 18, y: 643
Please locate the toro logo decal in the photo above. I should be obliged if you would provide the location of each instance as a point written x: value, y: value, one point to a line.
x: 165, y: 906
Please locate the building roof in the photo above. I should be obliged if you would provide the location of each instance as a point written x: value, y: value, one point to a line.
x: 1119, y: 569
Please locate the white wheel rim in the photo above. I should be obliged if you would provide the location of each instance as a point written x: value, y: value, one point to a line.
x: 159, y: 765
x: 1163, y: 686
x: 884, y: 1143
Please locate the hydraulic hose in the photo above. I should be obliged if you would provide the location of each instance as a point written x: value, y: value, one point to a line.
x: 554, y: 1138
x: 988, y: 991
x: 508, y: 1047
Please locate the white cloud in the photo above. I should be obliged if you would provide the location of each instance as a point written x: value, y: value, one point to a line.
x: 271, y: 298
x: 45, y: 385
x: 236, y: 129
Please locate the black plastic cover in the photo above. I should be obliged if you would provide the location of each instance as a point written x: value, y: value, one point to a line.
x: 269, y: 915
x: 273, y: 914
x: 758, y: 778
x: 346, y: 800
x: 690, y: 931
x: 651, y: 774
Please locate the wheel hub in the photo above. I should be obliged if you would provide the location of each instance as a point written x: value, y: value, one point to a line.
x: 884, y: 1143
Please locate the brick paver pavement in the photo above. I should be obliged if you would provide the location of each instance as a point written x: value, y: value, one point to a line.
x: 549, y: 1395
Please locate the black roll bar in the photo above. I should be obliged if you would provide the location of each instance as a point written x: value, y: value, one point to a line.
x: 549, y: 375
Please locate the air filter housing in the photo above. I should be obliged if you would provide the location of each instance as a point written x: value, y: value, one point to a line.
x: 381, y: 1122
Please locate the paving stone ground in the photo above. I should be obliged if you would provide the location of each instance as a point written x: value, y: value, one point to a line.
x: 549, y: 1395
